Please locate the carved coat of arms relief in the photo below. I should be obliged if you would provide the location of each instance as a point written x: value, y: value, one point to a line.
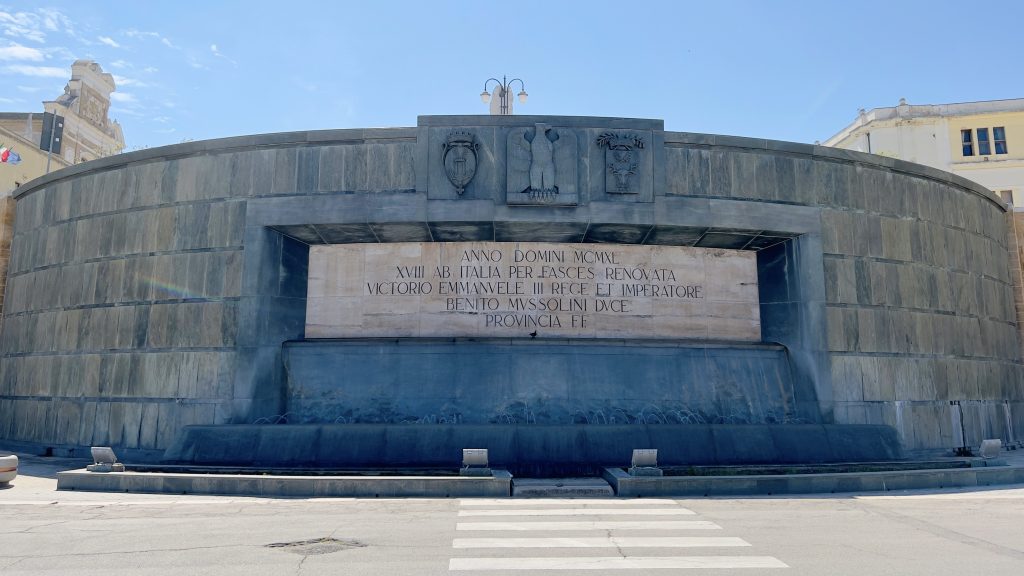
x: 459, y: 159
x: 622, y: 161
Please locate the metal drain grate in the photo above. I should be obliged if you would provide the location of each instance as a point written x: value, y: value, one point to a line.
x: 317, y: 546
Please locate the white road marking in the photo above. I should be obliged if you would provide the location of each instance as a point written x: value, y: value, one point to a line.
x: 603, y: 542
x: 592, y: 525
x: 566, y: 502
x: 562, y: 513
x: 580, y: 512
x: 615, y: 563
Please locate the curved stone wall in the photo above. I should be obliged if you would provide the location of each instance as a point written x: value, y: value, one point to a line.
x: 154, y: 290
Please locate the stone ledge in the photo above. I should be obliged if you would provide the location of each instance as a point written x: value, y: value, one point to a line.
x: 633, y: 487
x: 499, y: 485
x: 411, y: 134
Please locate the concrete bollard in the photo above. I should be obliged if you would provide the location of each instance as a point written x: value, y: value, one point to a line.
x: 645, y: 462
x: 475, y: 462
x: 104, y: 460
x: 8, y: 468
x: 991, y: 448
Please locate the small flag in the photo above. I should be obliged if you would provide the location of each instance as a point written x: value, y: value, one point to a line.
x: 9, y: 156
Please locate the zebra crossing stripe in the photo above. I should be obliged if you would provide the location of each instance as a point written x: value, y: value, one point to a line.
x: 591, y: 525
x: 603, y: 542
x: 616, y: 563
x: 567, y: 502
x: 580, y: 512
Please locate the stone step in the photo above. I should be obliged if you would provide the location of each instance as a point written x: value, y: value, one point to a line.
x: 561, y: 488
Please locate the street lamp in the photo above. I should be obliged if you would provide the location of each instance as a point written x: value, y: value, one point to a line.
x: 502, y: 89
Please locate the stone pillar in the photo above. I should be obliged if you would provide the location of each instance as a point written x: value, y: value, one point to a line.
x: 1015, y: 243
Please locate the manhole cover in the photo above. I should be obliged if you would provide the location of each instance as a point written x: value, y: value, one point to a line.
x: 317, y: 546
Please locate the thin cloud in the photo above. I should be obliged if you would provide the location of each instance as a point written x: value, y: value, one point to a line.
x: 123, y: 97
x: 133, y: 33
x: 22, y: 25
x: 108, y: 41
x: 54, y: 21
x: 126, y: 112
x: 219, y: 54
x: 35, y: 25
x: 38, y: 71
x: 150, y: 69
x: 17, y: 52
x: 11, y: 100
x: 120, y: 64
x: 139, y: 34
x: 29, y: 89
x: 58, y: 52
x: 123, y: 81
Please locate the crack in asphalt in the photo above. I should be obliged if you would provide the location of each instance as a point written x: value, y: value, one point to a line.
x: 18, y: 559
x: 618, y: 548
x: 29, y: 530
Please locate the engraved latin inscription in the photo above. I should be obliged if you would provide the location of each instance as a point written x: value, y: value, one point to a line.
x: 531, y: 289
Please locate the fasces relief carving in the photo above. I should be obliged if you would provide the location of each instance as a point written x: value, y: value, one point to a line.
x: 466, y: 289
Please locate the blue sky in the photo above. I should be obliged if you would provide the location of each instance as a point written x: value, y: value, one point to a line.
x: 773, y: 69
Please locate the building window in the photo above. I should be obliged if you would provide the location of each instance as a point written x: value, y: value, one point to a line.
x: 965, y: 139
x: 999, y: 135
x: 1007, y: 196
x: 984, y: 148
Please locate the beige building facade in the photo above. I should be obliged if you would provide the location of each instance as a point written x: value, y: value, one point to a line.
x: 981, y: 141
x: 20, y: 132
x: 89, y: 133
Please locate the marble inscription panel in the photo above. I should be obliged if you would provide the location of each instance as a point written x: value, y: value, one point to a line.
x: 496, y: 289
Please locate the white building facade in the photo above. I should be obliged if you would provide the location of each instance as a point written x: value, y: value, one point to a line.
x: 982, y: 141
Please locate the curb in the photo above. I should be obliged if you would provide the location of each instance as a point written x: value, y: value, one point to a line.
x: 499, y: 485
x: 828, y: 483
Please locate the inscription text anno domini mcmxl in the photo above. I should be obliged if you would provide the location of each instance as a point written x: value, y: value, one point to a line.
x: 518, y: 289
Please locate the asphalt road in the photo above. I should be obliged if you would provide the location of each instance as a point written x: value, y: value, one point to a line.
x: 931, y: 533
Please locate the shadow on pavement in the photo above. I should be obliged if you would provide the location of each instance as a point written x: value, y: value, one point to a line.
x: 32, y: 466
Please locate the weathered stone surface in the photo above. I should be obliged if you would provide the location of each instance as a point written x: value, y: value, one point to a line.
x: 536, y: 382
x: 154, y: 289
x: 553, y: 290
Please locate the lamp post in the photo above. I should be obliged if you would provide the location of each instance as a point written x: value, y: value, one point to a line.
x: 502, y: 89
